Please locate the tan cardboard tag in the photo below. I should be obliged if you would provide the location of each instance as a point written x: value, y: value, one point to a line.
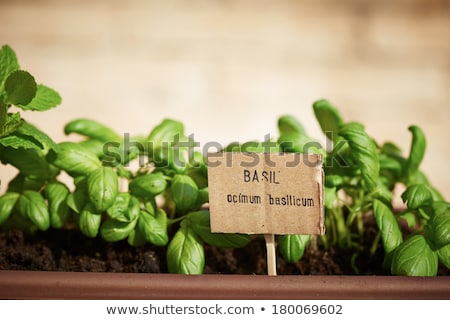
x: 263, y: 193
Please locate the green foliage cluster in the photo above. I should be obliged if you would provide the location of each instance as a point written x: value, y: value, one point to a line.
x: 164, y: 200
x: 360, y: 177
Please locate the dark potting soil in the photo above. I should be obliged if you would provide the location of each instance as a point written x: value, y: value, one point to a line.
x: 69, y: 250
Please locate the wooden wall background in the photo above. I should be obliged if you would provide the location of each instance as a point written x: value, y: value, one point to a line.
x: 228, y: 69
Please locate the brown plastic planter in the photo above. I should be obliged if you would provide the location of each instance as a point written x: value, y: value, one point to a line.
x: 90, y: 285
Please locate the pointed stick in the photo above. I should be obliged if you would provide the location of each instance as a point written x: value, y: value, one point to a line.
x: 271, y: 257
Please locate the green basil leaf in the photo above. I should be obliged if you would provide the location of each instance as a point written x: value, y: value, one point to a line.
x: 184, y: 192
x: 136, y: 238
x: 161, y: 217
x: 292, y: 246
x: 162, y: 135
x: 8, y: 64
x: 414, y: 257
x: 392, y: 150
x: 200, y: 223
x: 56, y: 194
x: 94, y: 146
x: 295, y: 142
x: 20, y: 88
x: 7, y: 203
x: 46, y: 98
x: 165, y: 131
x: 288, y: 123
x: 185, y: 253
x: 153, y: 229
x: 417, y: 196
x: 125, y: 208
x: 92, y: 129
x: 364, y: 152
x: 444, y: 255
x: 391, y: 234
x: 32, y: 205
x: 417, y: 150
x: 113, y: 230
x: 437, y: 230
x: 440, y: 207
x: 78, y: 199
x: 393, y: 165
x: 89, y: 221
x: 74, y: 159
x: 149, y: 185
x: 103, y: 187
x: 329, y: 118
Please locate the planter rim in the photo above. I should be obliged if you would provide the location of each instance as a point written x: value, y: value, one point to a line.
x: 142, y: 286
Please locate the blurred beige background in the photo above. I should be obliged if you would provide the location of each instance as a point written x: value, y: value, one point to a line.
x: 229, y: 69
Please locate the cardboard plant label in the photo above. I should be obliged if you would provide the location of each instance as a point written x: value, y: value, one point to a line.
x: 266, y: 193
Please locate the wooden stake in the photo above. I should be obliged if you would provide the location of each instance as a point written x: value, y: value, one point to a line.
x: 271, y: 257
